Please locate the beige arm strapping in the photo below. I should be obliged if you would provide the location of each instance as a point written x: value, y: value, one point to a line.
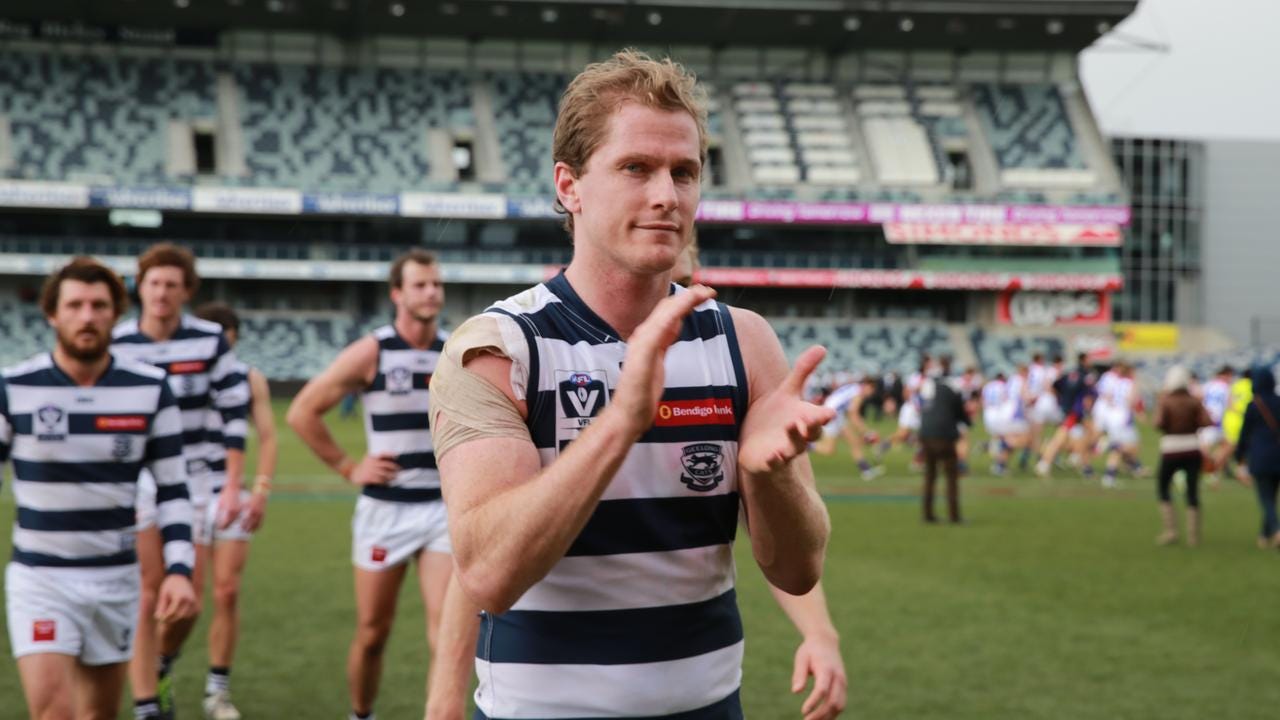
x: 465, y: 406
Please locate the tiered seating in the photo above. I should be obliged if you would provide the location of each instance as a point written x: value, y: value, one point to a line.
x: 899, y: 143
x: 524, y: 108
x: 99, y: 118
x: 346, y: 128
x: 1003, y: 353
x: 864, y: 347
x: 795, y: 132
x: 288, y: 347
x: 23, y: 332
x: 1150, y: 371
x: 1031, y: 135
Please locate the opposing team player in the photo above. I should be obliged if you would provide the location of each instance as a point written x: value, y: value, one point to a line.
x: 1075, y: 393
x: 399, y: 516
x: 1216, y: 395
x: 1044, y: 410
x: 1122, y: 404
x: 909, y: 412
x: 204, y: 375
x: 994, y: 408
x: 847, y: 400
x: 232, y: 543
x: 78, y: 426
x: 598, y: 434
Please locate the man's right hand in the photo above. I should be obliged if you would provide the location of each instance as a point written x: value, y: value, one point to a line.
x: 376, y: 469
x: 643, y: 373
x: 177, y: 599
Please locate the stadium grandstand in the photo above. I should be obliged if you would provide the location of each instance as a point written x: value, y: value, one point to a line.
x: 930, y: 179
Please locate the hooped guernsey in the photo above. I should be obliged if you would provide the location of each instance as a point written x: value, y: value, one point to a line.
x: 640, y: 618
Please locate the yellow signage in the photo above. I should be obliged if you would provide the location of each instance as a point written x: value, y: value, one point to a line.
x: 1145, y: 336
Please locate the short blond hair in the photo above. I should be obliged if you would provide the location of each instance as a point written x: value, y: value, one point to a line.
x: 601, y: 88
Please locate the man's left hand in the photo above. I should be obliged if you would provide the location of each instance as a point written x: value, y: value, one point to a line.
x: 781, y: 425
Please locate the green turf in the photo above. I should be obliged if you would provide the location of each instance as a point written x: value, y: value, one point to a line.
x: 1052, y: 602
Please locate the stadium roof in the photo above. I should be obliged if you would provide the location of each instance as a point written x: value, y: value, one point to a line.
x: 829, y: 24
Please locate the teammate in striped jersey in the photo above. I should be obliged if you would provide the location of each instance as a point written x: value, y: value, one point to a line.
x: 203, y: 375
x: 232, y: 543
x: 78, y: 425
x: 599, y: 434
x: 400, y: 516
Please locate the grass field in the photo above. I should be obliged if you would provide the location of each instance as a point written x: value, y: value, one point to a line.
x: 1051, y: 602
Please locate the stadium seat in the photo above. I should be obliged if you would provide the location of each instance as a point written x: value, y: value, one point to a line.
x: 998, y: 353
x: 863, y: 346
x: 346, y: 128
x: 100, y: 118
x: 1031, y: 135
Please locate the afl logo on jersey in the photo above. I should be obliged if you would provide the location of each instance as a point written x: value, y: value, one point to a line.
x: 703, y: 467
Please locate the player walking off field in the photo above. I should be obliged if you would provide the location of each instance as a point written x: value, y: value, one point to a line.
x: 600, y: 433
x: 232, y: 542
x: 78, y: 426
x: 399, y: 516
x: 206, y: 378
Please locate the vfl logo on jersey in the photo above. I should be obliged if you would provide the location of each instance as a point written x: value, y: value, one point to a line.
x: 703, y: 466
x: 122, y: 447
x: 196, y: 466
x: 582, y: 394
x: 399, y: 380
x: 51, y: 423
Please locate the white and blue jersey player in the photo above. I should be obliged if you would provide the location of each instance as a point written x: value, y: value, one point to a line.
x: 847, y: 401
x: 1217, y: 398
x: 78, y: 425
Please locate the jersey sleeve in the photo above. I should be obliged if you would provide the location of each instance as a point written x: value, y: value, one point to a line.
x: 6, y: 426
x: 229, y: 384
x: 173, y: 502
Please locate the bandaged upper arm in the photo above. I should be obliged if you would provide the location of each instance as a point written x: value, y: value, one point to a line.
x: 465, y: 406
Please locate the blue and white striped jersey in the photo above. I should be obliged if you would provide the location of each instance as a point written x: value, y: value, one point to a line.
x: 216, y: 441
x: 397, y: 417
x: 640, y: 618
x: 203, y: 375
x: 76, y: 454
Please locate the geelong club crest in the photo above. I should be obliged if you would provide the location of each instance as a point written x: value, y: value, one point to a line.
x: 399, y: 380
x: 703, y: 466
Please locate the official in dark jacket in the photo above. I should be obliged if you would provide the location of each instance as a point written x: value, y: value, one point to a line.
x: 1260, y: 443
x: 940, y: 417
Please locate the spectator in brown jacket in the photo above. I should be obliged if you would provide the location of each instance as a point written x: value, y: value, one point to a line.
x: 1179, y: 415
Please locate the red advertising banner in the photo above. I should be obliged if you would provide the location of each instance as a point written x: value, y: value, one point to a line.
x: 903, y: 279
x: 1054, y: 308
x: 1030, y: 235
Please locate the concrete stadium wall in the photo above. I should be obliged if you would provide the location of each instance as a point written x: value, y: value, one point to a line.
x: 1241, y: 245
